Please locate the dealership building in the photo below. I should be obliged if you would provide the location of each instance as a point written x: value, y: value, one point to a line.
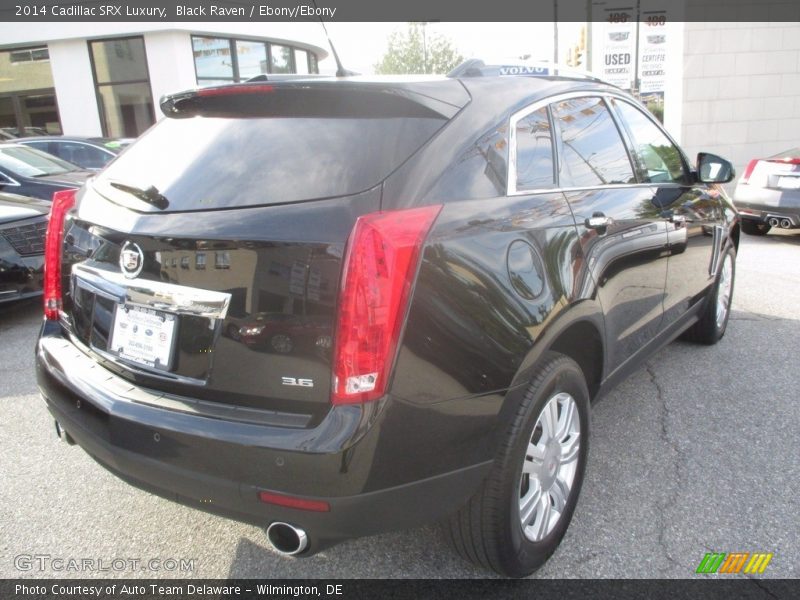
x: 727, y: 87
x: 95, y: 79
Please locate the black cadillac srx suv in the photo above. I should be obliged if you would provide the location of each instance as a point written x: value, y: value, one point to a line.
x: 338, y: 307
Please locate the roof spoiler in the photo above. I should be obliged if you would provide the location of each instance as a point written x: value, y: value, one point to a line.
x: 318, y: 97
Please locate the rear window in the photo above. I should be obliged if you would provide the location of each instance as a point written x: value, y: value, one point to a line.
x: 30, y: 162
x: 203, y: 163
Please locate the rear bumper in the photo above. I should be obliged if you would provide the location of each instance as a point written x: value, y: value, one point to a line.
x: 760, y: 204
x: 220, y: 465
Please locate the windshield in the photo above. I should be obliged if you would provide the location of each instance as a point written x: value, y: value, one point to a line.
x: 29, y: 162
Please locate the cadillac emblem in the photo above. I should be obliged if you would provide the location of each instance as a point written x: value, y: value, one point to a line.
x: 131, y: 260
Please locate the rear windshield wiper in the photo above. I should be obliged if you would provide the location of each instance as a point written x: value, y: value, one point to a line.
x: 150, y: 195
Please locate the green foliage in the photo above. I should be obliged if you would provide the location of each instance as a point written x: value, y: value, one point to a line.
x: 415, y: 50
x: 657, y: 110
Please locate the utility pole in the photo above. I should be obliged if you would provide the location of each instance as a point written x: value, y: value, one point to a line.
x: 424, y: 47
x: 555, y: 37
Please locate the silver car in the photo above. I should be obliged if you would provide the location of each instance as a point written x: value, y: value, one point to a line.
x: 768, y: 194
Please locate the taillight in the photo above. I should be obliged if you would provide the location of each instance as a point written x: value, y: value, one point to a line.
x: 380, y: 265
x: 235, y: 90
x: 294, y: 502
x: 63, y: 201
x: 748, y: 170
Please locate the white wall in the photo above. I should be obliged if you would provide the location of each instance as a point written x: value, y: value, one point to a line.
x: 170, y: 63
x: 72, y: 78
x: 741, y: 96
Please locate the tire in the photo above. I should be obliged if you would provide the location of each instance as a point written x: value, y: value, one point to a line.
x: 488, y: 530
x: 751, y: 227
x: 714, y: 319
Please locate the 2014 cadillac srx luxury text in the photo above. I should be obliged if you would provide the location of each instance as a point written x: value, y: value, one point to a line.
x: 336, y: 307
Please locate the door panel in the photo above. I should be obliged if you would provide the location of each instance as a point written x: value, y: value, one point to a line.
x: 690, y: 212
x: 623, y: 237
x: 693, y: 217
x: 628, y: 262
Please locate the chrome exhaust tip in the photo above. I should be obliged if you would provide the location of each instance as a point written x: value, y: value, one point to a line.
x: 786, y: 224
x: 773, y: 222
x: 287, y: 539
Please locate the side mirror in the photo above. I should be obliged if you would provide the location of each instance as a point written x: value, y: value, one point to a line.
x: 714, y: 169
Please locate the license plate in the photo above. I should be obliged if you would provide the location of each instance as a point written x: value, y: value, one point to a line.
x: 144, y: 336
x: 789, y: 183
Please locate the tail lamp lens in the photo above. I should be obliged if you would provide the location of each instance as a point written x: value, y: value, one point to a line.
x: 380, y: 265
x: 294, y: 502
x: 748, y: 170
x: 63, y: 201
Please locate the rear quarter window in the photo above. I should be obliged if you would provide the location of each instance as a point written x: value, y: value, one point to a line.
x: 534, y: 151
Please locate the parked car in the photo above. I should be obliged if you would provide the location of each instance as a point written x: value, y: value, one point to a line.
x: 88, y: 153
x: 504, y: 250
x: 23, y: 222
x: 282, y: 333
x: 768, y: 193
x: 14, y: 132
x: 31, y: 172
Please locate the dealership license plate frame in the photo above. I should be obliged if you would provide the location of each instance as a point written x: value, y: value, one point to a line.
x: 130, y: 315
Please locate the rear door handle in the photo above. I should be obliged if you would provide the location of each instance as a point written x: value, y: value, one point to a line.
x: 597, y: 221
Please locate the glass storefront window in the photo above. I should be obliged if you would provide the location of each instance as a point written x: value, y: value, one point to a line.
x: 124, y: 97
x: 27, y: 100
x: 225, y: 60
x: 281, y: 59
x: 212, y: 57
x: 27, y: 69
x: 119, y: 60
x: 252, y: 58
x: 127, y: 108
x: 301, y: 61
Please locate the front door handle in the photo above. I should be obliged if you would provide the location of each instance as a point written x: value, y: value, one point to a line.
x: 597, y: 221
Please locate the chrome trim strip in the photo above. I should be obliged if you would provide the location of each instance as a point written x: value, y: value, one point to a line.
x: 153, y: 294
x: 511, y: 181
x: 11, y: 181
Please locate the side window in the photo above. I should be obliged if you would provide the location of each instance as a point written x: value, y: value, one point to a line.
x: 534, y: 151
x: 659, y: 159
x: 43, y: 146
x: 84, y: 155
x: 591, y: 151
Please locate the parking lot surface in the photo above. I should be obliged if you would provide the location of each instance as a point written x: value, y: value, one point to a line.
x: 695, y: 453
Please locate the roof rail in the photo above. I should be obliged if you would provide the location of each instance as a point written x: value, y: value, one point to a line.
x: 475, y: 67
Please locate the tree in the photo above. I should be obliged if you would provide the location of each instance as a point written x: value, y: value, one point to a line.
x: 415, y: 50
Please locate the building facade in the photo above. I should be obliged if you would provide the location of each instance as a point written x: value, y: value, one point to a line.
x: 60, y: 78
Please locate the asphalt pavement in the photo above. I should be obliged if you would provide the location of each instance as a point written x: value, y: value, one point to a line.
x: 696, y: 452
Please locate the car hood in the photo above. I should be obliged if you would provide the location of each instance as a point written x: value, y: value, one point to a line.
x: 16, y: 208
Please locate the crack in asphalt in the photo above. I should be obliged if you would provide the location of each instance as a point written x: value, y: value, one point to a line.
x: 672, y: 498
x: 761, y: 586
x: 751, y: 316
